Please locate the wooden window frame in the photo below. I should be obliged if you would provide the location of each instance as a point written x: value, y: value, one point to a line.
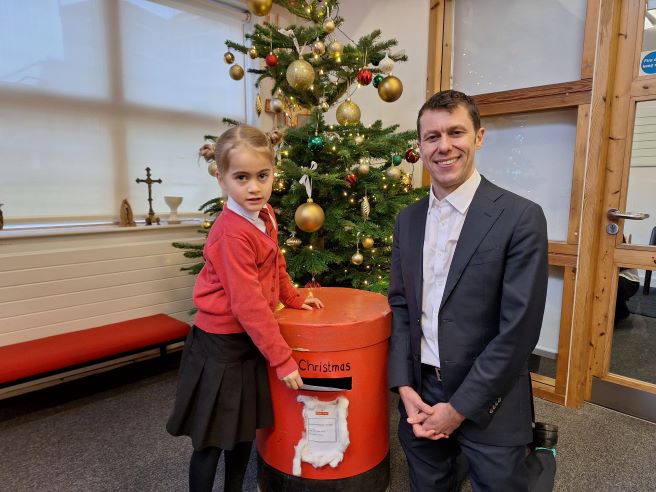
x: 574, y: 94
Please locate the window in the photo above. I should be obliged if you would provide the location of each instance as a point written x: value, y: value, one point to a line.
x: 94, y: 91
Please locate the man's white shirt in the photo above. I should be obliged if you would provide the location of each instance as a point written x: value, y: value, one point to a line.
x: 444, y: 222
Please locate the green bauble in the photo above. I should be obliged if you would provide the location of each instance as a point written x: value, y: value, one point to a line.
x: 377, y: 80
x: 315, y: 144
x: 397, y: 159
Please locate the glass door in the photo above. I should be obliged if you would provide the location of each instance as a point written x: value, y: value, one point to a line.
x: 624, y: 359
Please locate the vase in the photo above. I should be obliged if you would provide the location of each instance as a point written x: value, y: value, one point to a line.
x: 173, y: 202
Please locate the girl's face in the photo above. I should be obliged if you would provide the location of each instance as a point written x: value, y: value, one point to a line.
x: 248, y: 179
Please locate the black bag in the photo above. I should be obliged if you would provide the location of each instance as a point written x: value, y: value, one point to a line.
x: 541, y: 459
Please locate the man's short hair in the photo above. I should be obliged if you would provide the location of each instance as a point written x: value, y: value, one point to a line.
x: 450, y: 100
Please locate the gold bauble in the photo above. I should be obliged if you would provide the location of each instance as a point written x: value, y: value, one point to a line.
x: 300, y: 75
x: 276, y: 105
x: 309, y: 216
x: 252, y: 52
x: 293, y: 241
x: 259, y: 7
x: 406, y: 179
x: 229, y: 58
x: 364, y: 165
x: 318, y: 48
x: 357, y: 258
x: 206, y: 224
x: 212, y: 168
x: 258, y: 105
x: 394, y: 172
x: 365, y: 207
x: 335, y: 49
x: 329, y: 25
x: 348, y: 113
x: 368, y: 243
x: 236, y: 72
x: 390, y: 88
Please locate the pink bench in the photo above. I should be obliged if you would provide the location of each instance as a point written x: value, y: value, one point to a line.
x: 23, y: 361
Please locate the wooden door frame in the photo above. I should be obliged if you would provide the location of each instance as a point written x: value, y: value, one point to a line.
x: 613, y: 172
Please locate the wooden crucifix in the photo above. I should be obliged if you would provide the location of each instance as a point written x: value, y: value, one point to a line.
x: 149, y: 181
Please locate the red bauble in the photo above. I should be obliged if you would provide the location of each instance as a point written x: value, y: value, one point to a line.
x: 411, y: 155
x: 271, y: 60
x: 364, y: 76
x: 351, y: 179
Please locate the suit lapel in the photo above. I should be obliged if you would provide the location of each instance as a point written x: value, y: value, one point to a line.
x: 416, y: 248
x: 482, y: 214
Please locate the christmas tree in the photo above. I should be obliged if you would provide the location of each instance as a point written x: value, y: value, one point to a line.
x: 337, y: 188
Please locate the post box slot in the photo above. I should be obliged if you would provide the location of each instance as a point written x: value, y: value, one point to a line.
x: 344, y: 384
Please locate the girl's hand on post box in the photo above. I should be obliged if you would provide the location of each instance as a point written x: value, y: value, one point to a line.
x: 293, y: 380
x: 311, y: 301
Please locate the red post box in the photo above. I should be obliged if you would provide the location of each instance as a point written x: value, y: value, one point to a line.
x: 341, y: 352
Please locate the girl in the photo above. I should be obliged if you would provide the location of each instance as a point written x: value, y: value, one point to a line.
x: 223, y: 394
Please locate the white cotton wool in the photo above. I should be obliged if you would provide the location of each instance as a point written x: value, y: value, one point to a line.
x: 325, y: 435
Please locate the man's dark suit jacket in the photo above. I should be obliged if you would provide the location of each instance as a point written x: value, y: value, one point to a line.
x: 490, y: 315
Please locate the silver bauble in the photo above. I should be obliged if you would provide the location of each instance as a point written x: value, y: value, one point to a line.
x: 276, y: 105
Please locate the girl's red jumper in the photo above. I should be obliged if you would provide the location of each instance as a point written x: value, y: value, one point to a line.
x: 239, y: 287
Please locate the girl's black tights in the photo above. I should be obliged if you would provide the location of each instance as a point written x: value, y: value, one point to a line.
x: 202, y: 467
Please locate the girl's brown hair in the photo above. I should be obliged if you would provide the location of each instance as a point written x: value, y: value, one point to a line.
x: 242, y: 136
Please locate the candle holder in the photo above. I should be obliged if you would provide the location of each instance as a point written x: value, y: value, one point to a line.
x: 173, y: 202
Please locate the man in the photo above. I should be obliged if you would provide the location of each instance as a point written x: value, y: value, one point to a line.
x: 467, y: 292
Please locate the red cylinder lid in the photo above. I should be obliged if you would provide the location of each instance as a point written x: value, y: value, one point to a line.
x: 351, y: 319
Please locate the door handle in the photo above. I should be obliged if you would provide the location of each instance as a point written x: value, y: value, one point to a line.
x: 616, y: 214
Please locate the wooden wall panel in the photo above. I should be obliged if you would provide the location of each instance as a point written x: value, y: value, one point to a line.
x: 95, y: 296
x: 51, y: 284
x: 79, y: 284
x: 179, y: 310
x: 72, y: 270
x: 75, y: 255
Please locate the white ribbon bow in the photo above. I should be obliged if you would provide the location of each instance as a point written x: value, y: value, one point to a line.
x: 307, y: 181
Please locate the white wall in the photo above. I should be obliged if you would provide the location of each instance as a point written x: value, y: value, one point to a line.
x: 407, y: 22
